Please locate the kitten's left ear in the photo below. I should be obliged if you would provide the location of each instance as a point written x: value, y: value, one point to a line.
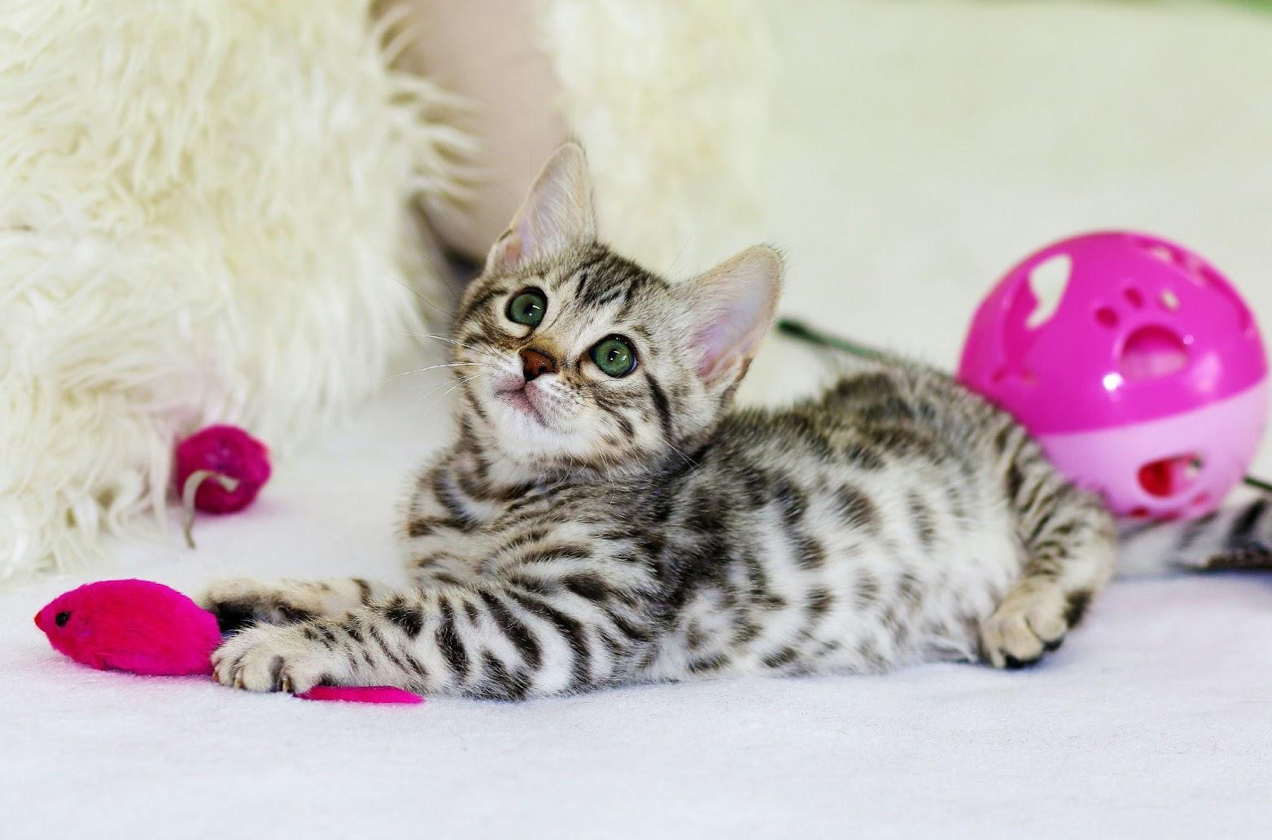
x: 556, y: 215
x: 731, y: 308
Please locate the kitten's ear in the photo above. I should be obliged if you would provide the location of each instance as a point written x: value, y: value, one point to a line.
x: 555, y: 215
x: 731, y: 308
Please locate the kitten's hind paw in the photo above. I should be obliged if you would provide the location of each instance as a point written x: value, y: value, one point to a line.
x: 1029, y: 623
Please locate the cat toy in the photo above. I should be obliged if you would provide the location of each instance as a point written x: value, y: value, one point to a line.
x: 143, y: 627
x: 1147, y: 381
x: 219, y: 470
x: 147, y: 628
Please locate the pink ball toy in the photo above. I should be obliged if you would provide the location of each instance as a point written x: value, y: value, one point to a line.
x: 1148, y: 381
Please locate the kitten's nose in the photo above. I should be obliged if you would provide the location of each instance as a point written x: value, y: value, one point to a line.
x: 535, y: 363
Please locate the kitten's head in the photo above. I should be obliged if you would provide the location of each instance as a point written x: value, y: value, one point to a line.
x: 584, y: 359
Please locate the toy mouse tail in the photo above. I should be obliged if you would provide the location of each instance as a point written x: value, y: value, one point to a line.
x: 1235, y: 537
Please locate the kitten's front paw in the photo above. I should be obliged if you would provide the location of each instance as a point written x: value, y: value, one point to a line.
x: 1026, y: 625
x: 239, y: 602
x: 268, y: 658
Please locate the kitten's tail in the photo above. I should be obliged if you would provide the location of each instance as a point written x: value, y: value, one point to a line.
x: 1237, y: 536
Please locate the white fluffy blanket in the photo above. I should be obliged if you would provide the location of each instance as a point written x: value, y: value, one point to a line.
x: 203, y: 218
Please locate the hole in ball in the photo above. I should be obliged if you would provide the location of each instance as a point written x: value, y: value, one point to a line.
x: 1048, y: 280
x: 1166, y: 478
x: 1152, y: 352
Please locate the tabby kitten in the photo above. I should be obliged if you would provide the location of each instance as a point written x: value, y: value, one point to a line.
x: 604, y: 518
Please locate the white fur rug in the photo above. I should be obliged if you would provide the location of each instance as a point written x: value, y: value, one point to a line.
x: 203, y: 218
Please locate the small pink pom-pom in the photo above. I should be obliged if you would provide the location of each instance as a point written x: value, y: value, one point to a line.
x: 226, y: 451
x: 220, y: 470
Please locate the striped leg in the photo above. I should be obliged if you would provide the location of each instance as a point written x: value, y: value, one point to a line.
x: 1070, y: 546
x: 238, y: 602
x: 489, y: 639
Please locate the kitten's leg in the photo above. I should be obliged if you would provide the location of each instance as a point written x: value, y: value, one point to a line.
x: 238, y: 602
x: 508, y: 639
x: 1070, y: 546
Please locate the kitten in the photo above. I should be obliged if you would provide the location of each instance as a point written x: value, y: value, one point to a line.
x: 604, y: 518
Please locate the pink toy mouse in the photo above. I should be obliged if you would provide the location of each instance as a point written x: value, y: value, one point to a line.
x: 132, y: 625
x: 148, y: 628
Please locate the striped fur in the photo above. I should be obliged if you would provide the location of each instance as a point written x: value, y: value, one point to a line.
x: 1236, y: 537
x: 638, y: 529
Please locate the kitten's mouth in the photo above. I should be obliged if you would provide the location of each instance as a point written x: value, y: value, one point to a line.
x: 519, y: 399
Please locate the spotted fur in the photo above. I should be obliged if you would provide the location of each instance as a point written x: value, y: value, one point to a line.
x: 585, y: 531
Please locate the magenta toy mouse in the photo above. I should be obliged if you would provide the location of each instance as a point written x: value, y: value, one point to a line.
x: 131, y: 625
x: 148, y: 628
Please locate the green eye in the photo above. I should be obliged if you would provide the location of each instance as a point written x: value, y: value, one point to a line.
x: 528, y: 307
x: 614, y: 355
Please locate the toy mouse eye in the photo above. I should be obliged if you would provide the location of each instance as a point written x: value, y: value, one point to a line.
x: 61, y: 618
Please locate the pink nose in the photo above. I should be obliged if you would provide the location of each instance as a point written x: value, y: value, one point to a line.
x: 37, y: 621
x: 535, y: 363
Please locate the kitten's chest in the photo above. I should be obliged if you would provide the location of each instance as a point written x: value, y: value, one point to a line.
x: 543, y: 520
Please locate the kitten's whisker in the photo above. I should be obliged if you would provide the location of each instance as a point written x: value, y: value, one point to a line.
x: 414, y: 334
x: 429, y: 393
x: 442, y: 338
x: 447, y: 340
x: 679, y: 254
x: 432, y: 367
x: 423, y: 299
x: 459, y: 382
x: 693, y: 465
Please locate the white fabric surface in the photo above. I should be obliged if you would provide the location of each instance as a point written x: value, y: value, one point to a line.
x: 921, y: 150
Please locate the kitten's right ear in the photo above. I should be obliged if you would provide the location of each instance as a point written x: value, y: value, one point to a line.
x: 556, y: 215
x: 731, y: 308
